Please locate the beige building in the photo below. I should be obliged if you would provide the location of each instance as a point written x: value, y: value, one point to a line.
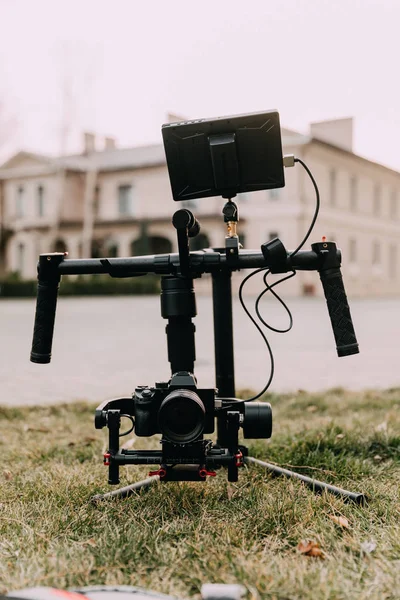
x: 102, y: 202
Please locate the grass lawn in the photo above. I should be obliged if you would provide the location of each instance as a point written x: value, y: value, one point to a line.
x: 176, y: 536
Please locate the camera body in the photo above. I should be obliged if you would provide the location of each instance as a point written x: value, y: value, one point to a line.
x: 177, y: 410
x: 182, y: 413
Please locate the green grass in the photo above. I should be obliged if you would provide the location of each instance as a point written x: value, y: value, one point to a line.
x: 176, y: 536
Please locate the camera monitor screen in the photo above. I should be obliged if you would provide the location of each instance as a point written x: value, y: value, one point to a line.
x: 224, y: 156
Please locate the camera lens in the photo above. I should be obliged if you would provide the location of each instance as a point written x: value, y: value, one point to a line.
x: 181, y: 417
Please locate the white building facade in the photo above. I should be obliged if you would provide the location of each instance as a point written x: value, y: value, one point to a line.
x: 106, y: 203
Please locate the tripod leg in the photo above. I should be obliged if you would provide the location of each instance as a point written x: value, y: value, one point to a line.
x: 314, y: 484
x: 129, y: 490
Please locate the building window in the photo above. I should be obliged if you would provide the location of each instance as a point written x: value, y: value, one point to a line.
x: 353, y: 194
x: 199, y: 242
x: 376, y: 253
x: 393, y: 204
x: 393, y: 261
x: 274, y: 194
x: 352, y: 251
x: 113, y: 250
x: 377, y: 200
x: 20, y: 258
x: 19, y: 206
x: 124, y: 200
x: 332, y: 187
x: 40, y: 201
x: 60, y: 245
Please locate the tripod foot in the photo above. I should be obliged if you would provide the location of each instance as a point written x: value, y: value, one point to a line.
x: 129, y: 490
x: 314, y: 484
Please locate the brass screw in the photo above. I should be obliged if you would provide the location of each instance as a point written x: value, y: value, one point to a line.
x: 325, y: 245
x: 49, y: 258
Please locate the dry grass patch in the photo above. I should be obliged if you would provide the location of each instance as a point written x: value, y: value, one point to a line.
x: 175, y: 537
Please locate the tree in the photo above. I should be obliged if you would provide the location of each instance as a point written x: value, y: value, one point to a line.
x: 8, y: 129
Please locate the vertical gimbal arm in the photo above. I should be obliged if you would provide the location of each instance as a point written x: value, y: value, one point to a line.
x: 187, y: 226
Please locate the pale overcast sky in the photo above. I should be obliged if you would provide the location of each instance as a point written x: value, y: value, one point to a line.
x: 132, y: 61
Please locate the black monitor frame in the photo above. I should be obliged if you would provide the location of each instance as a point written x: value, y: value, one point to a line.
x: 224, y: 156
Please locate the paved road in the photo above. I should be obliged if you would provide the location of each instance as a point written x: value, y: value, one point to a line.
x: 104, y: 347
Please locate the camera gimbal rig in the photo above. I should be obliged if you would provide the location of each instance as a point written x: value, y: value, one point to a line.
x: 205, y: 158
x: 177, y: 409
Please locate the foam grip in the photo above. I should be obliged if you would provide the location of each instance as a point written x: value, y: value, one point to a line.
x: 46, y: 305
x: 339, y: 312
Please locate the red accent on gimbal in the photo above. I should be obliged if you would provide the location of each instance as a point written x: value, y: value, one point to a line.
x: 107, y: 457
x: 239, y: 459
x: 161, y: 472
x: 204, y: 473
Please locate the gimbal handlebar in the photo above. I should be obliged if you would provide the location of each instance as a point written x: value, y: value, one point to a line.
x: 324, y: 258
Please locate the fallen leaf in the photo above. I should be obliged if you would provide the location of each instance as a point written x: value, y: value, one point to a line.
x: 309, y: 548
x: 90, y: 438
x: 341, y: 521
x: 89, y: 542
x: 378, y: 458
x: 340, y: 436
x: 7, y: 475
x: 37, y: 429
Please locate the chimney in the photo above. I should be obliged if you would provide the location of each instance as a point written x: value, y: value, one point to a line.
x: 89, y: 142
x: 338, y: 132
x: 173, y: 118
x: 110, y: 143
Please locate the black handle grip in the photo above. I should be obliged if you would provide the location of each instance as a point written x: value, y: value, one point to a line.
x: 46, y: 304
x: 339, y: 312
x: 328, y: 258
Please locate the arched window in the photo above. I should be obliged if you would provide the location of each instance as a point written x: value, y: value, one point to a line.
x: 60, y: 245
x: 20, y: 258
x: 199, y: 242
x: 151, y: 245
x: 112, y: 250
x: 159, y: 245
x: 97, y: 249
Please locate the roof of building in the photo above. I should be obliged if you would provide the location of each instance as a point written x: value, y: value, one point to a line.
x: 106, y: 160
x: 116, y: 159
x: 119, y: 159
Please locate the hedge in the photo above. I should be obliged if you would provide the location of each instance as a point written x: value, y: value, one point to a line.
x: 98, y: 285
